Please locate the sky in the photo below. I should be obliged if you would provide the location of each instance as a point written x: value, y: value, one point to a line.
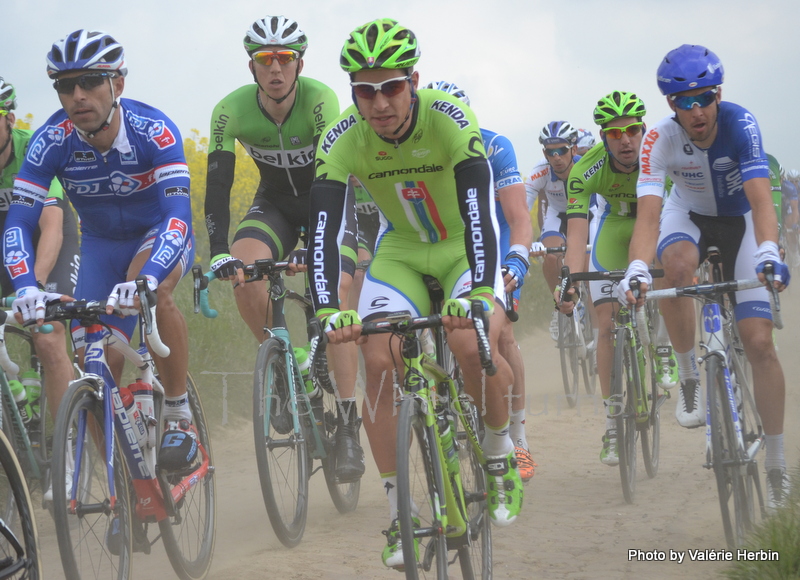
x: 523, y: 63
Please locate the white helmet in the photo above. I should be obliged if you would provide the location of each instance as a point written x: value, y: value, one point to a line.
x: 585, y: 139
x: 275, y: 31
x: 794, y: 174
x: 557, y: 132
x: 8, y: 96
x: 86, y: 50
x: 449, y: 88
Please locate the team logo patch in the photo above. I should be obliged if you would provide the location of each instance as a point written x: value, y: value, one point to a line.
x: 171, y: 242
x: 84, y: 156
x: 179, y: 190
x: 16, y: 257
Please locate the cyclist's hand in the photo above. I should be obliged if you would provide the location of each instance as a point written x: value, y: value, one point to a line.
x: 636, y: 269
x: 457, y: 312
x: 125, y: 298
x: 30, y: 304
x: 226, y: 267
x: 340, y: 326
x: 297, y: 262
x: 515, y: 266
x: 538, y: 249
x: 768, y: 253
x: 567, y: 305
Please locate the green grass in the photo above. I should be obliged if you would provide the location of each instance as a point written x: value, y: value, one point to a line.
x: 780, y: 533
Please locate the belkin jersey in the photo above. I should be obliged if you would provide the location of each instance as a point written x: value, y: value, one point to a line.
x: 503, y: 160
x: 141, y: 183
x: 707, y: 181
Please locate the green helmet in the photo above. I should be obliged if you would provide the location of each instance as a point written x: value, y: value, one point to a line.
x: 382, y: 43
x: 618, y: 104
x: 8, y: 96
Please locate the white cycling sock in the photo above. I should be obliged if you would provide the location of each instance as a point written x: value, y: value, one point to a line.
x: 687, y: 365
x: 611, y: 422
x: 517, y: 428
x: 775, y: 457
x: 176, y: 408
x: 390, y: 487
x: 496, y: 442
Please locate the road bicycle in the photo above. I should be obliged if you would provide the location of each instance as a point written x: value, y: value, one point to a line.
x: 292, y: 427
x: 19, y: 550
x: 734, y: 434
x: 576, y: 348
x: 107, y: 486
x: 30, y: 437
x: 635, y: 402
x: 441, y: 484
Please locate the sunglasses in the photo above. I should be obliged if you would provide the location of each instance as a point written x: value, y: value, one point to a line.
x: 86, y: 82
x: 267, y: 57
x: 629, y: 130
x: 560, y: 151
x: 702, y: 100
x: 390, y: 88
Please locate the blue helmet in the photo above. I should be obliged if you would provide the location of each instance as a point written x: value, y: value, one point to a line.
x: 689, y: 66
x: 86, y: 50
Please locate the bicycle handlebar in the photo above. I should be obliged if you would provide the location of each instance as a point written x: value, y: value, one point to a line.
x: 200, y: 292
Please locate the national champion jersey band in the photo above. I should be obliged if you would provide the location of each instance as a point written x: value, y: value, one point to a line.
x: 141, y: 183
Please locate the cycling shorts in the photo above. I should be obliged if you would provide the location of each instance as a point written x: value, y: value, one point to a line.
x: 609, y: 252
x: 554, y: 224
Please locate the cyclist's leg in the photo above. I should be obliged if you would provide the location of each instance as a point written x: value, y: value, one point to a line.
x: 264, y: 232
x: 553, y: 235
x: 680, y: 247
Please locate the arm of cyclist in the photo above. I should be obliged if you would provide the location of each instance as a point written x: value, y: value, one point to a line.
x: 51, y: 228
x: 765, y: 223
x: 642, y: 249
x: 515, y: 209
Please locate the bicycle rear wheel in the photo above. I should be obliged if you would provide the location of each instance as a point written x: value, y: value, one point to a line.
x: 570, y: 363
x: 475, y: 547
x: 419, y: 490
x: 281, y: 453
x: 344, y: 495
x: 189, y: 535
x: 94, y: 538
x: 19, y: 552
x: 623, y: 386
x: 731, y: 471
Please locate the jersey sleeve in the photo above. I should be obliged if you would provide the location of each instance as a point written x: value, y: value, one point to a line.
x: 219, y: 176
x: 749, y: 146
x: 652, y: 167
x: 579, y: 185
x: 503, y: 160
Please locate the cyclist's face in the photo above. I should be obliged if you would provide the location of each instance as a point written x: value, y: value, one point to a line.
x: 276, y: 78
x: 385, y: 114
x: 626, y: 149
x: 559, y: 163
x: 89, y: 108
x: 700, y: 123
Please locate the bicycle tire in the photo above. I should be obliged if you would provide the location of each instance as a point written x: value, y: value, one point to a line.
x: 83, y: 541
x: 622, y: 386
x: 736, y: 505
x: 570, y: 365
x: 19, y: 554
x: 419, y: 484
x: 650, y: 433
x: 589, y: 360
x: 474, y: 554
x: 189, y: 537
x: 344, y: 495
x: 281, y: 455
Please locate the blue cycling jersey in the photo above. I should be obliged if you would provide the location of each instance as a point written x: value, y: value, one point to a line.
x: 140, y: 184
x: 503, y: 160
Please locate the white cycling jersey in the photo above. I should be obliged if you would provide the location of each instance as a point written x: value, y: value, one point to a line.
x: 543, y: 183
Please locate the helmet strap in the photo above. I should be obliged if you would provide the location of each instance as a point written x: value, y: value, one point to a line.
x: 410, y: 109
x: 8, y: 141
x: 107, y: 123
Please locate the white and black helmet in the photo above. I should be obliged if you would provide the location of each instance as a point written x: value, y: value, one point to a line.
x: 275, y: 31
x: 557, y: 132
x: 8, y: 96
x: 449, y: 88
x: 86, y: 50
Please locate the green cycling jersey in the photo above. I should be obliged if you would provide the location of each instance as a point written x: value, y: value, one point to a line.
x: 594, y: 173
x: 19, y: 144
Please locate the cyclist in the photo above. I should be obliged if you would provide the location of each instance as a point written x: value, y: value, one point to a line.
x: 516, y: 236
x: 585, y: 142
x: 547, y: 181
x: 55, y: 240
x: 420, y: 155
x: 610, y: 171
x: 721, y: 197
x: 122, y: 166
x: 278, y: 119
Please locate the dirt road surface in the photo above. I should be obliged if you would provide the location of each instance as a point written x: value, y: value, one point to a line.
x: 575, y: 524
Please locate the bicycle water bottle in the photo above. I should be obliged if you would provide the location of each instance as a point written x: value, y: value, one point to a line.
x: 448, y: 445
x: 143, y: 397
x: 301, y: 354
x: 134, y: 416
x: 21, y: 398
x: 33, y: 388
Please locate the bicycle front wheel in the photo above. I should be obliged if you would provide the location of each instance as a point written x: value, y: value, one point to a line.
x: 94, y: 534
x: 623, y: 387
x: 281, y: 452
x: 730, y: 468
x: 570, y: 362
x: 189, y: 535
x: 19, y: 552
x: 419, y: 491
